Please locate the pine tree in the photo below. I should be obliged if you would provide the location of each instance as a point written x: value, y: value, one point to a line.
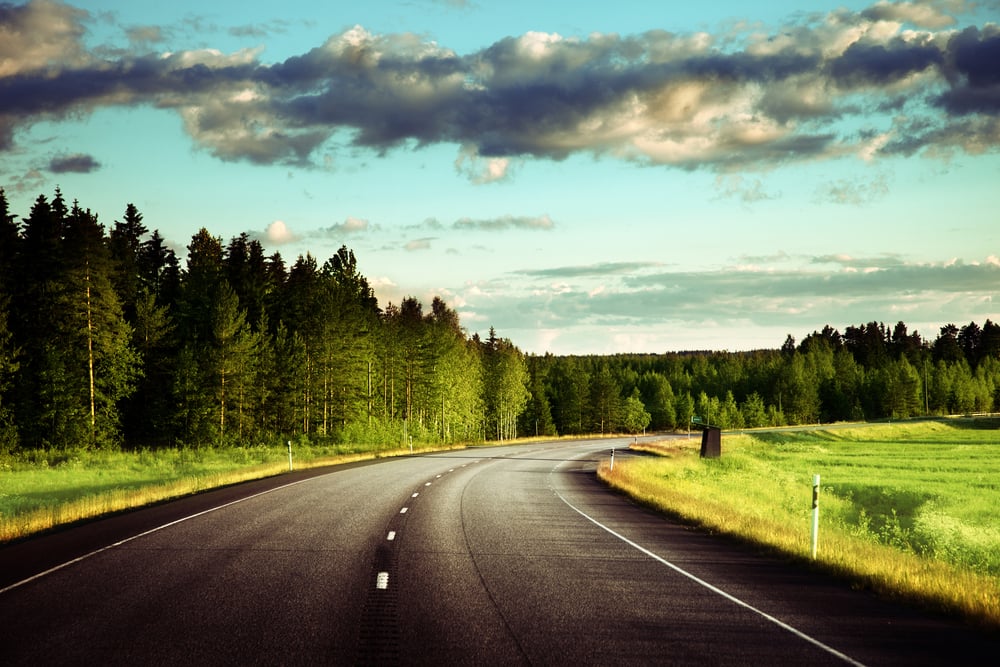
x: 159, y: 270
x: 605, y: 397
x: 301, y: 311
x: 96, y: 324
x: 125, y: 244
x: 537, y: 418
x: 9, y: 366
x: 231, y: 361
x: 9, y: 243
x: 505, y: 386
x: 195, y: 382
x: 39, y: 267
x: 350, y: 347
x: 149, y: 416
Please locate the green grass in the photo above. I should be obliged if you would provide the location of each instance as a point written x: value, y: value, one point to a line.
x: 909, y: 510
x: 40, y: 490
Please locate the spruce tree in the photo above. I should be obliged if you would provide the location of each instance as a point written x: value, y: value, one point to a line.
x: 125, y: 243
x: 96, y: 333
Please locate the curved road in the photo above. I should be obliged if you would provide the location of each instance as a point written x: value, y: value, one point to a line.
x: 512, y: 555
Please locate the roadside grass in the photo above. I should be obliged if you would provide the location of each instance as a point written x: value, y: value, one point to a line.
x: 907, y: 510
x: 43, y: 489
x: 40, y: 490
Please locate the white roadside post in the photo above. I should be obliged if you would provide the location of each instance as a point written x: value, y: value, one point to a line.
x: 289, y: 456
x: 612, y: 459
x: 815, y: 526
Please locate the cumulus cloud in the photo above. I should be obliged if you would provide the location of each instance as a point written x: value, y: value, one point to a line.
x: 77, y: 163
x: 749, y: 100
x: 38, y: 34
x: 278, y: 233
x: 921, y: 14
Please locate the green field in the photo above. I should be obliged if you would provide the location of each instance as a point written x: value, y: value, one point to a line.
x: 909, y: 510
x: 43, y: 489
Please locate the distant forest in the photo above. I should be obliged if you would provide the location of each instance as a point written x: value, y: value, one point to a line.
x: 107, y: 341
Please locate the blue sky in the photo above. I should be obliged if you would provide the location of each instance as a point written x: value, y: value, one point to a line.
x: 584, y: 177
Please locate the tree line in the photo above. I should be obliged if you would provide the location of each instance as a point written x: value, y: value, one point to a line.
x: 107, y: 341
x: 868, y: 372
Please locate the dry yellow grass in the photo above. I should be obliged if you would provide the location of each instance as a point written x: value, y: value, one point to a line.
x: 89, y: 506
x: 770, y: 506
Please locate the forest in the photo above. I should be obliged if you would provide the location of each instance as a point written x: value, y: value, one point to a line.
x: 107, y: 341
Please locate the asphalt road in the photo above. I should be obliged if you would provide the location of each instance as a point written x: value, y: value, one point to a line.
x: 512, y: 555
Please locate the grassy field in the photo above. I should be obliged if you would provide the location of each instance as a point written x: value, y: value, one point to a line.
x: 43, y: 489
x: 908, y: 510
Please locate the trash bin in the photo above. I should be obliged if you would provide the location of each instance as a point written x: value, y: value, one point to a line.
x: 711, y: 442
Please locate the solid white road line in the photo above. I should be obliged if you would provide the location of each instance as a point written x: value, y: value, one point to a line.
x: 143, y: 534
x: 798, y: 633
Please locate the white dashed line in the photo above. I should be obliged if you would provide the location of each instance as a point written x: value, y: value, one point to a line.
x: 391, y: 536
x: 404, y: 510
x: 415, y: 495
x: 382, y: 581
x: 428, y: 484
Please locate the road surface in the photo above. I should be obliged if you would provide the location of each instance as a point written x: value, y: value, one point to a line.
x: 512, y: 555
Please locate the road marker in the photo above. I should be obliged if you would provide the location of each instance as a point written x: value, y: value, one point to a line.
x: 403, y: 511
x: 415, y: 495
x: 391, y: 536
x: 382, y: 581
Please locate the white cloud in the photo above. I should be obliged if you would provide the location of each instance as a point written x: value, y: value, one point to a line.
x: 36, y: 34
x: 746, y: 100
x: 677, y: 307
x: 503, y: 223
x: 419, y: 244
x: 351, y: 225
x: 856, y: 191
x: 481, y: 170
x: 278, y: 233
x: 746, y: 190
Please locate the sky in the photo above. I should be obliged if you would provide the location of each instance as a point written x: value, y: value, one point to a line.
x: 586, y: 178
